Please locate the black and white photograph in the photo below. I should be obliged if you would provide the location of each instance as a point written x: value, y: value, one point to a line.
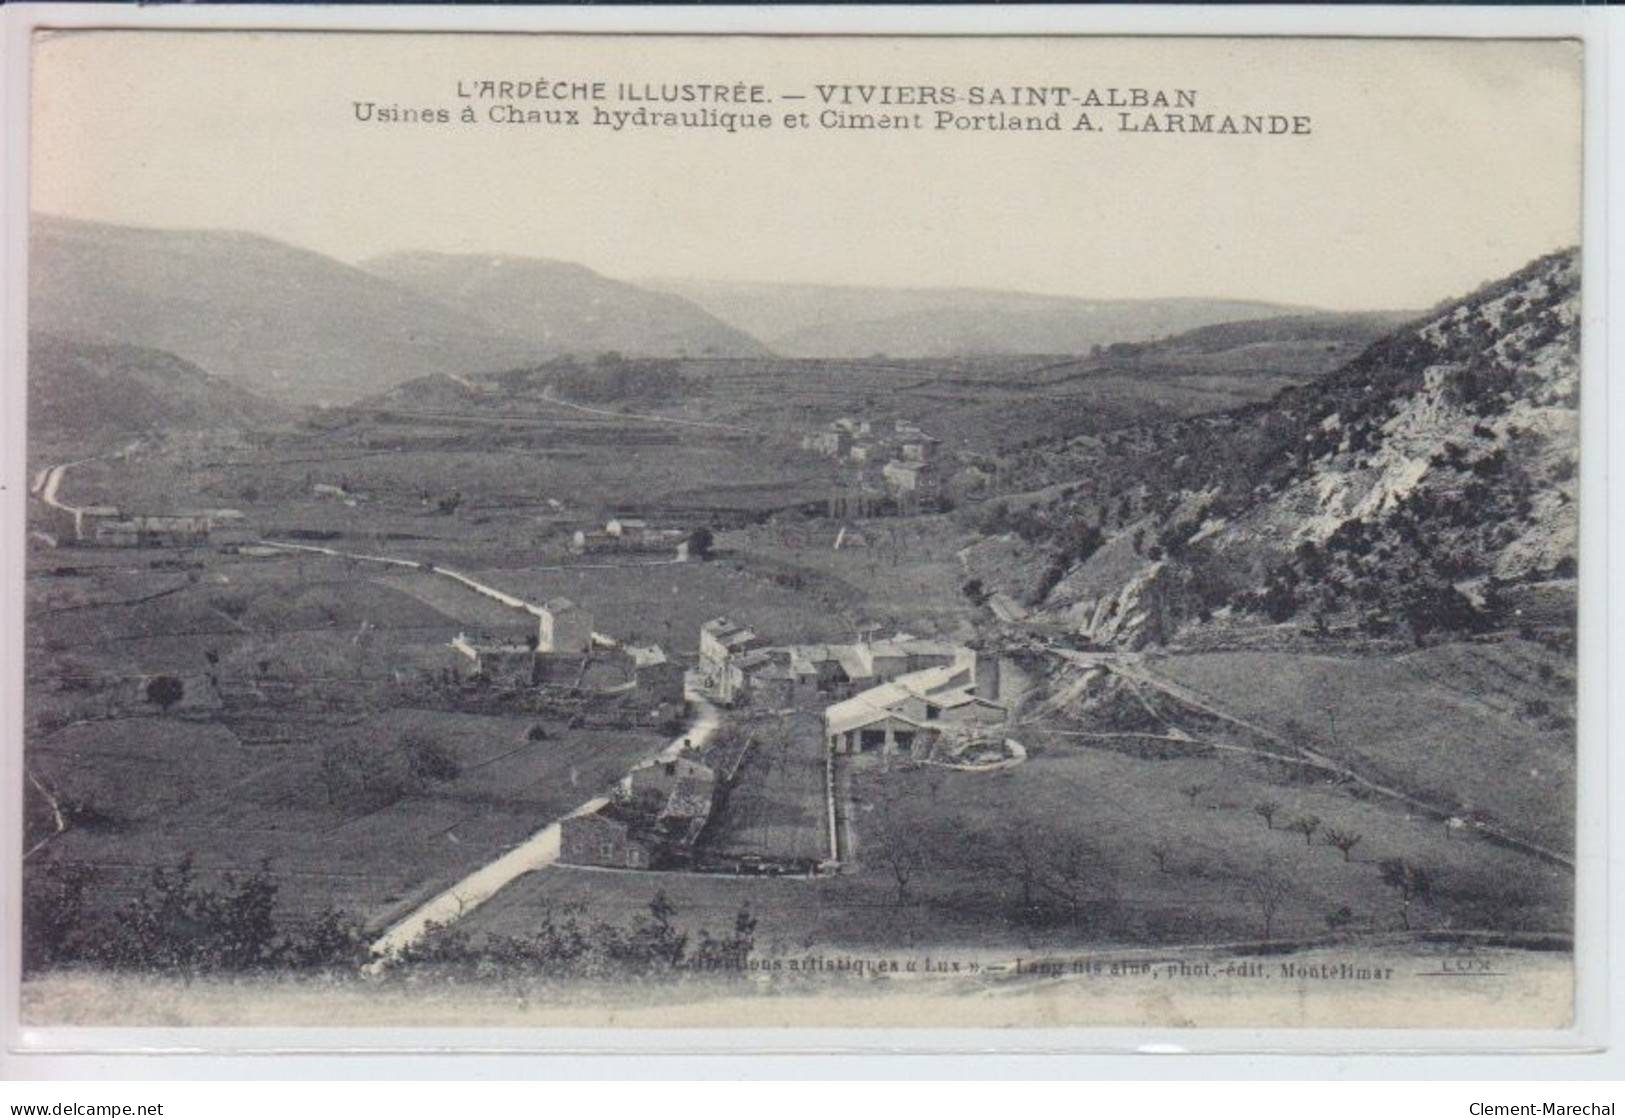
x: 557, y: 531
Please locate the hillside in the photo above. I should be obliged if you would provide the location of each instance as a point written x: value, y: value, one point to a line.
x: 563, y: 307
x: 93, y: 391
x: 1427, y: 485
x: 294, y: 324
x: 803, y: 320
x: 1297, y: 347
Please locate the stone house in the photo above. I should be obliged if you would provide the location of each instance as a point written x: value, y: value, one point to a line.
x: 563, y: 627
x: 598, y: 839
x: 655, y: 781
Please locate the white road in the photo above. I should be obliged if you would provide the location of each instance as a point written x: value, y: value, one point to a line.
x: 537, y: 852
x: 540, y: 849
x: 473, y: 584
x: 49, y: 480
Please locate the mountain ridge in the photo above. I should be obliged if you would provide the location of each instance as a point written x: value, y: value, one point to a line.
x: 847, y: 321
x: 564, y: 306
x: 299, y: 325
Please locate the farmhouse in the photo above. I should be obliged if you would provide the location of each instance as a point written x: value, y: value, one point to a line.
x: 721, y: 639
x: 598, y: 839
x: 660, y: 679
x: 589, y: 541
x: 914, y: 711
x: 507, y: 662
x: 920, y: 448
x: 226, y: 526
x: 834, y: 443
x: 659, y: 811
x: 687, y: 810
x: 86, y: 522
x: 628, y: 534
x: 658, y: 779
x: 150, y: 531
x: 563, y: 626
x: 905, y: 476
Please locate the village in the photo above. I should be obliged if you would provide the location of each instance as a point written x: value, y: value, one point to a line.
x: 901, y: 698
x: 818, y: 707
x: 882, y: 467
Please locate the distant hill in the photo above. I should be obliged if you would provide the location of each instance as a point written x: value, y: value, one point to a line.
x: 1288, y: 344
x: 564, y: 307
x: 294, y: 324
x: 1430, y: 483
x: 803, y: 320
x: 88, y: 390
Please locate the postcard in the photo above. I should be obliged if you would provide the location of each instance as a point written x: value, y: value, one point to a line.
x: 643, y: 530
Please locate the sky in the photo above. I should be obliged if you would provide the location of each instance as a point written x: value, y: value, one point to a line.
x: 1429, y: 167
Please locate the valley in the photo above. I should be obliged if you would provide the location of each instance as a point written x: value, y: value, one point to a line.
x: 1257, y: 683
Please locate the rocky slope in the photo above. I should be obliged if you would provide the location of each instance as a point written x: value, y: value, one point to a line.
x: 1430, y: 484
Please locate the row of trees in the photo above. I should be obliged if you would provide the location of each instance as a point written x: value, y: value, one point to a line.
x: 179, y: 924
x: 566, y: 945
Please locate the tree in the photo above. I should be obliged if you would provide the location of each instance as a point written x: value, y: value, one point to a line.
x: 1267, y: 811
x: 1306, y: 826
x: 1075, y: 877
x: 1410, y: 881
x: 1160, y: 855
x: 899, y: 848
x: 1193, y: 792
x: 1431, y: 604
x: 1345, y: 841
x: 700, y: 543
x: 428, y: 759
x: 1265, y: 888
x: 164, y: 691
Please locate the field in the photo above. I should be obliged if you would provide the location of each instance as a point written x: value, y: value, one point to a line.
x: 1128, y: 812
x: 642, y: 602
x: 163, y: 788
x: 318, y: 727
x: 777, y: 808
x: 983, y: 404
x: 901, y: 573
x: 1476, y: 728
x: 293, y: 668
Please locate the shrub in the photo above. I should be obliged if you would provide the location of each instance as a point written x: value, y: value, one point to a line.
x: 164, y: 691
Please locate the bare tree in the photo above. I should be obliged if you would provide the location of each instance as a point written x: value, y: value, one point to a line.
x: 1160, y: 855
x: 1410, y: 881
x: 1267, y: 810
x: 1193, y: 792
x: 896, y: 846
x: 1345, y: 841
x: 1075, y: 877
x: 1265, y: 888
x: 1307, y: 826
